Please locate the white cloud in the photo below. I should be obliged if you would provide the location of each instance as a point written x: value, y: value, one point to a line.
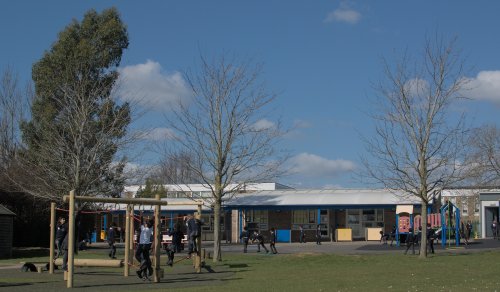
x: 151, y: 87
x: 485, y: 86
x: 313, y: 165
x: 343, y: 14
x: 159, y: 134
x: 263, y: 124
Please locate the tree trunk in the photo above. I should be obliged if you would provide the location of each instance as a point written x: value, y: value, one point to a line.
x: 423, y: 241
x: 217, y: 233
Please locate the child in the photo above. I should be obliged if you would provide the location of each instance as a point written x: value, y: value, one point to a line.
x: 273, y: 241
x: 244, y: 236
x: 260, y: 241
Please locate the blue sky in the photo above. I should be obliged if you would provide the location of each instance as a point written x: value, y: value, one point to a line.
x: 321, y: 57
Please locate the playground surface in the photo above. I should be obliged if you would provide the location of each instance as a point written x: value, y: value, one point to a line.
x: 298, y: 264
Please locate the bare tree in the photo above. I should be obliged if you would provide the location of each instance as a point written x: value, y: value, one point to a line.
x: 14, y: 105
x: 419, y: 142
x: 77, y: 152
x: 224, y: 131
x: 485, y: 155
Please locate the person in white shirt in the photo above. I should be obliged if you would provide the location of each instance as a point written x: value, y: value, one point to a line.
x: 142, y: 252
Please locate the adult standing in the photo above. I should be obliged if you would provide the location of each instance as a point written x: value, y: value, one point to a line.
x: 494, y: 228
x: 468, y: 227
x: 302, y: 235
x: 111, y: 240
x: 61, y: 231
x: 318, y: 234
x: 142, y: 252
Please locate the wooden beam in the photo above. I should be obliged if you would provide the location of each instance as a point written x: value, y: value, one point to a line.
x: 118, y: 200
x: 71, y: 239
x: 157, y: 242
x: 94, y: 263
x: 127, y: 242
x: 52, y: 236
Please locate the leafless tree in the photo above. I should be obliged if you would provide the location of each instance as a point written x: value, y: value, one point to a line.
x: 78, y: 150
x: 224, y: 131
x: 14, y: 105
x: 419, y: 141
x: 485, y: 155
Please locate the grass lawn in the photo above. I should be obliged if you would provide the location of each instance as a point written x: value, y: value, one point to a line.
x: 296, y: 272
x: 329, y: 272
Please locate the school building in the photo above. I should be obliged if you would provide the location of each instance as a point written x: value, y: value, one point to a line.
x: 266, y: 205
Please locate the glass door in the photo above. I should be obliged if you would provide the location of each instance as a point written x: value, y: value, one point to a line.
x: 354, y: 222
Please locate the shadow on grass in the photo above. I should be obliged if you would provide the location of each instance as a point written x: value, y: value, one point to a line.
x: 235, y: 266
x: 3, y: 285
x: 171, y: 281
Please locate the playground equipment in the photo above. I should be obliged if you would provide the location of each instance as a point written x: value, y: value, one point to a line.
x: 157, y: 202
x: 404, y: 221
x: 93, y: 263
x: 447, y: 226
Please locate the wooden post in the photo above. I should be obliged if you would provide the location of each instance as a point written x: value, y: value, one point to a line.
x: 198, y: 243
x: 127, y: 242
x: 131, y: 234
x: 52, y: 236
x: 71, y: 239
x: 157, y: 242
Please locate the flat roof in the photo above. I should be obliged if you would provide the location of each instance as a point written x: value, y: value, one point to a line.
x: 346, y: 197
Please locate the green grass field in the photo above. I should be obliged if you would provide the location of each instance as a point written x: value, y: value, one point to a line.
x: 328, y: 272
x: 475, y: 271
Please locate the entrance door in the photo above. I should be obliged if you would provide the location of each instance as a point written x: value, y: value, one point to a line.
x: 354, y: 222
x: 489, y: 214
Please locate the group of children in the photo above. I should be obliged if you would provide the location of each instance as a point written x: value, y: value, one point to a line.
x: 145, y: 239
x: 247, y: 236
x: 412, y: 238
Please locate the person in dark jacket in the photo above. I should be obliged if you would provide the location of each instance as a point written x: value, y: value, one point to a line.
x: 176, y: 244
x: 193, y: 232
x: 430, y: 237
x: 273, y: 241
x: 411, y: 241
x: 64, y: 243
x: 244, y: 237
x: 111, y: 240
x: 257, y: 236
x: 393, y: 234
x: 318, y: 234
x: 61, y: 231
x: 302, y: 234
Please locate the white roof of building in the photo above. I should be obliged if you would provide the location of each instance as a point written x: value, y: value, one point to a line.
x: 465, y: 192
x: 203, y: 188
x: 347, y: 197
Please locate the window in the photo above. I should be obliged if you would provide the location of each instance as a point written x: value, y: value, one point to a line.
x: 476, y: 207
x: 258, y: 217
x: 465, y: 207
x: 304, y: 216
x: 208, y: 222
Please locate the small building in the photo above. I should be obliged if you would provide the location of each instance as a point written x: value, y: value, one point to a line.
x: 6, y: 232
x: 489, y: 211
